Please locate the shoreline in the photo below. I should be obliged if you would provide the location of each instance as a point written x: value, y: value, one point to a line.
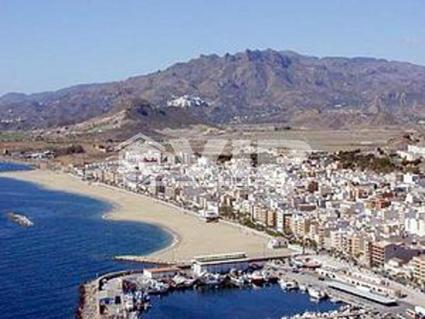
x: 191, y: 236
x: 176, y: 238
x: 107, y: 216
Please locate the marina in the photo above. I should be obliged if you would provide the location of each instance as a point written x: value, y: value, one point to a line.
x: 235, y: 271
x: 131, y: 293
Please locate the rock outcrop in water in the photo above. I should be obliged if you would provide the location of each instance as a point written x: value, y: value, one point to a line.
x: 20, y: 219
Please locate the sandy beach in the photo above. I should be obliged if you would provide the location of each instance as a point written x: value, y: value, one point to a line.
x: 192, y: 236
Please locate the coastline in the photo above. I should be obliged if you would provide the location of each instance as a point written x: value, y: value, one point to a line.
x: 176, y: 239
x: 191, y: 236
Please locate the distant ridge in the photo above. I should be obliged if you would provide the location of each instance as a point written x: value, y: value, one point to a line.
x: 247, y: 87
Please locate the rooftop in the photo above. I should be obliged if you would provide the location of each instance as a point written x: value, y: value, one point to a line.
x: 162, y: 269
x: 220, y: 257
x: 362, y: 293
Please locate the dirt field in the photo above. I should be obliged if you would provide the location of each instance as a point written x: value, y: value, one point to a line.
x: 326, y: 140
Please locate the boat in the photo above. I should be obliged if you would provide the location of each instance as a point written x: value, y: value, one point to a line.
x: 316, y: 293
x: 257, y: 278
x: 20, y: 219
x: 157, y: 287
x: 287, y: 285
x: 269, y: 276
x: 238, y: 281
x: 190, y: 282
x: 334, y: 300
x: 211, y: 279
x: 303, y: 288
x: 180, y: 281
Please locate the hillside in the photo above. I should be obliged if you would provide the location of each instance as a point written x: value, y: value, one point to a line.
x: 247, y: 87
x: 128, y: 117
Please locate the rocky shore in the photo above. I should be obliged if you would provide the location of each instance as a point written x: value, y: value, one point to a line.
x: 87, y: 301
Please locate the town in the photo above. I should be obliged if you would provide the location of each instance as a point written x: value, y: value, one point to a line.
x: 303, y: 200
x: 212, y: 159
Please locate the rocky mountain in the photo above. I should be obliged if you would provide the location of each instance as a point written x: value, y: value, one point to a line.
x: 247, y: 87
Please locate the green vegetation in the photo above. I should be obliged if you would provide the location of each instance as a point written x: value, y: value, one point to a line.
x: 68, y: 150
x: 381, y: 163
x: 227, y: 212
x: 273, y: 232
x: 11, y: 136
x: 249, y: 223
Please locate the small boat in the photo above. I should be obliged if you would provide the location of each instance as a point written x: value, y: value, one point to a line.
x: 211, y: 279
x: 190, y: 282
x: 287, y: 285
x: 257, y: 278
x: 238, y: 281
x: 334, y: 300
x: 316, y: 293
x: 269, y: 276
x: 20, y: 219
x: 157, y: 287
x: 179, y: 281
x: 282, y: 283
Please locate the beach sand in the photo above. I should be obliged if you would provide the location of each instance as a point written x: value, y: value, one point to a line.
x: 192, y: 236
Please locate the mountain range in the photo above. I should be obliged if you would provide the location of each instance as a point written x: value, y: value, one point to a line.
x: 253, y: 86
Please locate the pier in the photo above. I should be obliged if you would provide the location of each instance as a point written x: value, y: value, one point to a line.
x: 187, y: 263
x: 152, y: 260
x: 383, y: 300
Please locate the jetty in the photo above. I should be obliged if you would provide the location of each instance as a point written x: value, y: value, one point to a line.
x: 186, y: 263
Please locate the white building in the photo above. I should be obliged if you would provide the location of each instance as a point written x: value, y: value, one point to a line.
x: 161, y: 273
x: 415, y: 149
x: 415, y: 224
x: 220, y: 263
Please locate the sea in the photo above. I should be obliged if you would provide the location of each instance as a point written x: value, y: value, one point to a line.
x: 41, y: 267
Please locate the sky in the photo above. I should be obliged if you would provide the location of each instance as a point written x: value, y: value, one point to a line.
x: 51, y: 44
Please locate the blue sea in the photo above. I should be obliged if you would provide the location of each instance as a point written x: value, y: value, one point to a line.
x: 41, y: 267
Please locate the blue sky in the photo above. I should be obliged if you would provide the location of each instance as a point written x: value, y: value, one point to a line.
x: 49, y: 44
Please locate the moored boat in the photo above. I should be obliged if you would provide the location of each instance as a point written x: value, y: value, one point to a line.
x: 334, y: 300
x: 316, y: 293
x: 238, y: 281
x: 211, y: 279
x: 287, y: 284
x: 157, y: 287
x: 257, y: 278
x: 303, y: 288
x: 179, y: 281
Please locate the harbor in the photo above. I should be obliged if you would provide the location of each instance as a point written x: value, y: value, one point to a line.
x: 131, y: 294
